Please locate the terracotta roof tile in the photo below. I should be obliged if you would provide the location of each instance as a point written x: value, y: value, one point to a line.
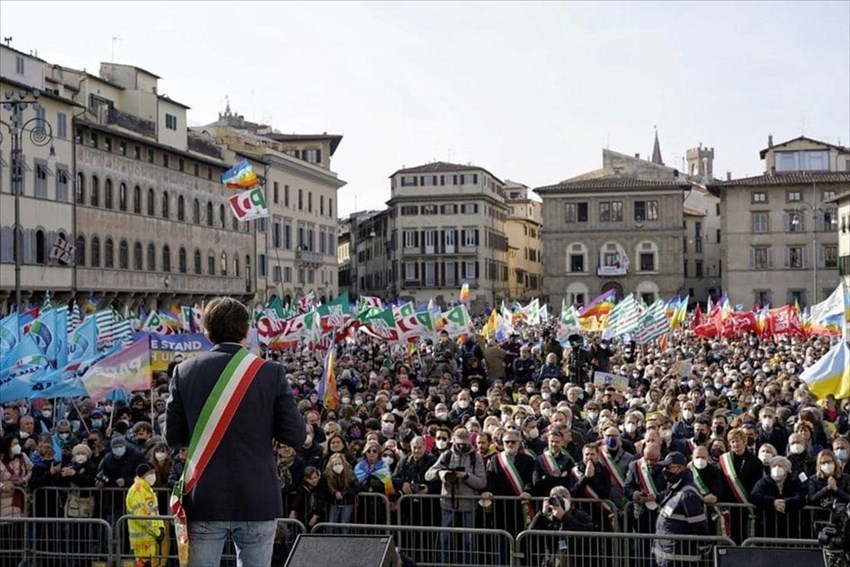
x: 791, y: 178
x: 610, y: 183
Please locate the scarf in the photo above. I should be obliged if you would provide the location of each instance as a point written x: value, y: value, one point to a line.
x: 379, y: 470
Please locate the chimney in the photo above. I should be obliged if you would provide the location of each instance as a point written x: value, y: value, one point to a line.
x: 728, y: 176
x: 637, y: 156
x: 770, y: 140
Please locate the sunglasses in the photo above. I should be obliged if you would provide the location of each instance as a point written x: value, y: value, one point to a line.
x: 371, y: 451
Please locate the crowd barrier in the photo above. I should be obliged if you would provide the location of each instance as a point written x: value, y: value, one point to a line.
x: 55, y: 542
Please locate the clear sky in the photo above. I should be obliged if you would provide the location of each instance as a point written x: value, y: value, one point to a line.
x: 531, y: 91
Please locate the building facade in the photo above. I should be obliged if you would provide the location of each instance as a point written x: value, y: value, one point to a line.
x: 842, y: 201
x: 612, y: 232
x: 371, y: 264
x: 523, y: 228
x: 448, y: 228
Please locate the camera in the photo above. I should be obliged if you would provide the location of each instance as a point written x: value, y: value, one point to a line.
x: 555, y: 501
x: 834, y: 538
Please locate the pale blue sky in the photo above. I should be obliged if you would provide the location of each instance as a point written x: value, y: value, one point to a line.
x: 531, y: 91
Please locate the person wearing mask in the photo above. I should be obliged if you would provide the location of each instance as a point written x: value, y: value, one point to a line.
x: 532, y: 444
x: 373, y: 476
x: 341, y: 489
x: 741, y: 470
x: 644, y: 488
x: 523, y: 367
x: 311, y: 452
x: 553, y: 466
x: 44, y: 418
x: 462, y: 409
x: 15, y: 473
x: 446, y: 352
x: 803, y: 464
x: 616, y: 461
x: 578, y: 360
x: 441, y: 440
x: 26, y: 434
x: 829, y: 484
x: 682, y: 513
x: 701, y: 436
x: 551, y: 368
x: 409, y: 478
x: 708, y: 478
x: 559, y: 515
x: 719, y: 427
x: 841, y: 448
x: 778, y: 498
x: 600, y: 354
x: 632, y: 431
x: 462, y: 474
x: 765, y: 455
x: 146, y: 536
x: 684, y: 428
x: 771, y: 432
x: 590, y: 423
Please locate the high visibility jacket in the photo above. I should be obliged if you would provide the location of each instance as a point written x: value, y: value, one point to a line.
x: 141, y: 501
x: 682, y: 513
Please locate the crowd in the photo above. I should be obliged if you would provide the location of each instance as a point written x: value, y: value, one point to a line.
x: 700, y: 424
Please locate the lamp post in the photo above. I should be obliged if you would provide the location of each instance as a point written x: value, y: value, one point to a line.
x: 40, y: 134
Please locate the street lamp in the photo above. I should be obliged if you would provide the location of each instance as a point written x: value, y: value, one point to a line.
x: 40, y: 134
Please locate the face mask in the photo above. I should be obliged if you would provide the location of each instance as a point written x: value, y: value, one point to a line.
x: 308, y: 440
x: 389, y: 407
x: 701, y: 437
x: 151, y: 479
x: 47, y: 413
x: 442, y: 444
x: 474, y: 389
x: 16, y: 450
x: 797, y: 448
x: 387, y: 428
x: 718, y: 429
x: 462, y: 448
x: 631, y: 428
x: 777, y: 473
x: 23, y: 434
x: 717, y: 452
x: 530, y: 389
x: 687, y: 414
x: 592, y: 416
x: 546, y: 395
x: 80, y: 459
x: 767, y: 422
x: 611, y: 442
x: 667, y: 435
x: 346, y: 401
x: 463, y: 404
x: 97, y: 423
x: 160, y: 456
x: 841, y: 454
x: 388, y: 461
x: 338, y: 469
x: 765, y: 458
x: 827, y: 468
x: 64, y: 436
x: 119, y: 451
x: 441, y: 415
x: 700, y: 463
x: 534, y: 433
x: 671, y: 477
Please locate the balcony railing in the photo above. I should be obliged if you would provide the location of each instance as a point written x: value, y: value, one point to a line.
x: 307, y: 257
x: 130, y: 122
x: 203, y: 147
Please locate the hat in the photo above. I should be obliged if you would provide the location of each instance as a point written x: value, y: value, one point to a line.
x: 143, y: 469
x: 674, y: 458
x: 117, y: 440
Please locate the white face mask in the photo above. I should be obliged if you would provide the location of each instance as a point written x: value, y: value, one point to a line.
x: 767, y: 422
x: 667, y: 434
x: 388, y: 461
x: 827, y: 468
x: 777, y: 473
x: 47, y: 413
x: 389, y: 407
x: 473, y: 389
x: 797, y: 448
x: 687, y: 414
x: 631, y: 428
x: 546, y: 395
x: 80, y: 459
x: 700, y: 463
x: 160, y: 456
x: 23, y: 434
x: 442, y: 444
x: 16, y: 450
x: 346, y: 401
x: 151, y: 478
x: 441, y: 415
x: 534, y: 433
x: 592, y: 416
x: 463, y: 404
x: 338, y: 469
x: 765, y: 458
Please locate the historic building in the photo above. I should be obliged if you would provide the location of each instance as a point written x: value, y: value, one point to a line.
x: 523, y: 228
x: 782, y: 227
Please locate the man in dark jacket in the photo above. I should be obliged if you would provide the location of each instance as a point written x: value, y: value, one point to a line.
x: 682, y: 513
x: 238, y: 494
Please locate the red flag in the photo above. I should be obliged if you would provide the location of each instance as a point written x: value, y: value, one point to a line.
x: 697, y: 316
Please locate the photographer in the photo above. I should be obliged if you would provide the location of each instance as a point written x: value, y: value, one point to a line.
x: 558, y: 514
x: 462, y: 473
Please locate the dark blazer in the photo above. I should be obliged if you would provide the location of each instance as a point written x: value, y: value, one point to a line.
x: 241, y: 481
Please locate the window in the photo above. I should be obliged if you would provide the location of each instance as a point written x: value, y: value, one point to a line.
x: 223, y: 264
x: 211, y: 265
x: 830, y: 256
x: 469, y: 208
x: 795, y: 257
x: 646, y: 211
x: 276, y: 274
x: 275, y: 192
x: 209, y: 214
x: 151, y: 257
x: 430, y: 273
x: 300, y: 199
x: 107, y: 194
x: 409, y: 210
x: 410, y: 271
x: 181, y: 260
x: 429, y: 209
x: 759, y: 197
x: 698, y: 269
x: 181, y: 165
x: 221, y: 216
x: 40, y: 181
x: 108, y: 254
x: 470, y: 237
x: 312, y: 156
x: 330, y: 207
x: 138, y: 259
x: 411, y: 238
x: 647, y: 261
x: 686, y: 268
x: 40, y: 255
x: 61, y: 125
x: 287, y: 274
x: 170, y: 122
x: 575, y: 212
x: 80, y: 189
x: 409, y: 180
x: 19, y: 64
x: 95, y: 252
x: 448, y: 209
x: 576, y: 262
x: 196, y: 211
x: 309, y: 201
x: 286, y: 195
x: 469, y: 179
x: 137, y: 199
x: 794, y: 221
x: 165, y: 211
x: 197, y: 262
x: 796, y: 296
x: 151, y: 202
x: 611, y: 211
x: 165, y: 161
x: 287, y: 235
x: 181, y: 208
x: 166, y: 258
x: 760, y: 222
x: 81, y: 250
x: 794, y: 196
x: 761, y: 297
x: 449, y: 179
x: 761, y: 258
x: 94, y: 194
x: 321, y: 205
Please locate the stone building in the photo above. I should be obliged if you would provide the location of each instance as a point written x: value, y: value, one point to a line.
x: 525, y: 249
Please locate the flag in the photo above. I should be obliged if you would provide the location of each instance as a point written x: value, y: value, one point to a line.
x: 82, y: 342
x: 110, y: 328
x: 240, y: 176
x: 327, y: 387
x: 382, y: 326
x: 464, y: 292
x: 601, y: 305
x: 624, y: 317
x: 191, y: 319
x: 653, y: 324
x: 830, y: 374
x: 92, y: 304
x: 456, y: 321
x: 127, y: 370
x: 306, y: 302
x: 62, y: 250
x: 334, y: 314
x: 568, y: 323
x: 49, y: 331
x: 828, y: 316
x: 20, y: 369
x: 365, y: 302
x: 10, y: 333
x: 249, y: 205
x: 74, y: 318
x: 418, y: 325
x: 680, y: 313
x: 155, y: 324
x: 489, y: 327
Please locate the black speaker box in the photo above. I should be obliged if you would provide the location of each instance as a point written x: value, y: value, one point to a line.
x: 767, y: 557
x: 313, y: 550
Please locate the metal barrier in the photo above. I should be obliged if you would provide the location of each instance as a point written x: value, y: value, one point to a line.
x: 745, y: 521
x: 774, y: 542
x: 429, y: 546
x: 165, y: 552
x: 372, y: 508
x: 589, y: 549
x: 55, y: 542
x: 110, y: 503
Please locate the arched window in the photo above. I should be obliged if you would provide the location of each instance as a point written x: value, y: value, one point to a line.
x: 181, y: 208
x: 95, y: 252
x: 234, y: 223
x: 137, y: 200
x: 209, y: 214
x: 107, y: 194
x: 211, y: 264
x: 80, y: 190
x: 40, y: 247
x: 165, y: 204
x: 151, y: 257
x: 223, y: 266
x: 577, y: 258
x: 198, y: 262
x: 151, y: 202
x: 122, y: 196
x: 108, y: 254
x: 81, y: 250
x: 181, y: 259
x: 221, y: 215
x: 646, y: 256
x: 236, y: 265
x: 166, y: 258
x: 95, y: 191
x: 577, y: 294
x: 123, y: 255
x: 138, y: 258
x: 196, y: 212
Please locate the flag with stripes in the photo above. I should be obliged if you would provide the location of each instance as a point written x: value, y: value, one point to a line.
x: 74, y: 318
x: 625, y: 317
x: 653, y: 323
x: 111, y: 329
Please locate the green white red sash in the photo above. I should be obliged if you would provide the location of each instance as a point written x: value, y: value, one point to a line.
x: 644, y: 474
x: 607, y: 507
x: 721, y: 518
x: 550, y: 464
x: 613, y: 468
x: 216, y: 415
x: 735, y: 484
x: 703, y: 487
x: 515, y: 481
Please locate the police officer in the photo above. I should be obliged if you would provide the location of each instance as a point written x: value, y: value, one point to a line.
x: 682, y: 513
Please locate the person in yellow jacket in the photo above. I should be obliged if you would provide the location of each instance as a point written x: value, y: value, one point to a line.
x: 145, y: 535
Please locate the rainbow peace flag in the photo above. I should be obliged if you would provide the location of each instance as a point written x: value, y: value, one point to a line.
x: 240, y: 176
x: 464, y: 292
x: 380, y: 470
x: 601, y: 305
x: 327, y: 387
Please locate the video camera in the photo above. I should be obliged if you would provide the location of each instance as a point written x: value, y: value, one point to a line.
x: 834, y: 536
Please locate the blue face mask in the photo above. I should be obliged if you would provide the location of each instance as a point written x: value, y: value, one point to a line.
x: 841, y: 454
x: 611, y: 442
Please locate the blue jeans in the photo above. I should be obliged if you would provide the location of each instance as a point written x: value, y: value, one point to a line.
x: 340, y: 515
x: 254, y: 542
x: 452, y: 519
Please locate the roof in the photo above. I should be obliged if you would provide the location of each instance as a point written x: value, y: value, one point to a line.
x: 692, y: 212
x: 90, y: 76
x: 334, y: 139
x: 442, y: 167
x: 41, y: 92
x: 610, y: 183
x: 145, y: 71
x: 792, y: 178
x: 799, y: 139
x: 172, y: 101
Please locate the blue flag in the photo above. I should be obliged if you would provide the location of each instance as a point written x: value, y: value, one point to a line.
x: 82, y: 343
x: 49, y: 333
x: 20, y: 369
x: 10, y: 333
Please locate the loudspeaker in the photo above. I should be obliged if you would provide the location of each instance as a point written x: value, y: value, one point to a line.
x: 338, y: 550
x: 766, y: 557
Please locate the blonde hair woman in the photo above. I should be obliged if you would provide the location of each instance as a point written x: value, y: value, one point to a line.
x: 341, y: 489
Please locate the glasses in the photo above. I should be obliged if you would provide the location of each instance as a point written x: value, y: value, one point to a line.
x: 369, y: 451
